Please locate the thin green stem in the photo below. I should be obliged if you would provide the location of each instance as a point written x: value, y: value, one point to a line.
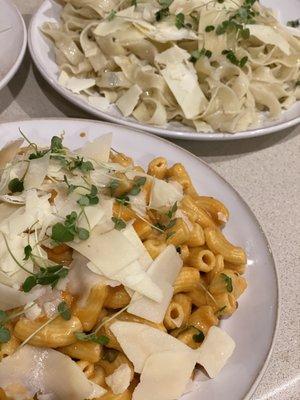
x: 14, y: 258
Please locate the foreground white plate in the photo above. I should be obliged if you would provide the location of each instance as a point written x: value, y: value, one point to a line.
x: 253, y: 325
x: 13, y: 41
x: 43, y: 55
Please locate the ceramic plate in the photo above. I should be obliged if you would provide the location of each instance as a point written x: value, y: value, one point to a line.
x: 253, y: 325
x: 13, y: 40
x: 42, y: 53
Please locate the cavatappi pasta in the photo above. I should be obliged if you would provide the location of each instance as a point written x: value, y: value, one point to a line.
x: 209, y: 64
x: 94, y: 248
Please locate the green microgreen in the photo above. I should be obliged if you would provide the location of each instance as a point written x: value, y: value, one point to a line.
x: 294, y: 23
x: 79, y: 163
x: 209, y: 28
x: 109, y: 355
x: 164, y: 11
x: 179, y: 20
x: 138, y: 182
x: 92, y: 337
x: 64, y: 311
x: 113, y: 186
x: 56, y: 145
x: 119, y: 223
x: 198, y: 337
x: 112, y: 15
x: 197, y: 54
x: 27, y: 252
x: 230, y: 55
x: 170, y: 214
x: 243, y: 16
x: 45, y: 276
x: 16, y: 185
x: 4, y: 334
x: 228, y: 282
x: 124, y: 199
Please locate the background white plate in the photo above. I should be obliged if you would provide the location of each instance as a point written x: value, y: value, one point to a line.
x: 43, y: 55
x: 13, y: 41
x: 253, y: 325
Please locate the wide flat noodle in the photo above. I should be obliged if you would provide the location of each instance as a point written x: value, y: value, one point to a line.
x: 161, y: 65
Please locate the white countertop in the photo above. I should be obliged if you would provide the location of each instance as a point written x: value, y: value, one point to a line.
x: 265, y: 171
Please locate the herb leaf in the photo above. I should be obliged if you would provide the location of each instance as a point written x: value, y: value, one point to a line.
x: 62, y: 233
x: 138, y: 183
x: 91, y: 337
x: 294, y: 24
x: 228, y: 282
x: 56, y: 145
x: 197, y: 54
x: 3, y: 316
x: 29, y: 283
x: 64, y: 311
x: 179, y: 20
x: 16, y: 185
x: 4, y: 335
x: 199, y: 337
x: 112, y: 15
x: 27, y: 252
x: 119, y: 223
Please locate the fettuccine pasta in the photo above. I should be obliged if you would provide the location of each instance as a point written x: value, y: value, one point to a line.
x: 212, y: 65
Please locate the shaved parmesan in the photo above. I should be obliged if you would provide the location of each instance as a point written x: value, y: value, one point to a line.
x: 214, y: 352
x: 128, y: 101
x: 99, y: 102
x: 16, y: 200
x: 36, y: 211
x: 12, y: 298
x: 120, y: 379
x: 31, y: 368
x: 134, y: 277
x: 110, y: 252
x: 183, y: 83
x: 98, y: 149
x: 172, y: 56
x: 165, y: 376
x: 164, y: 194
x: 81, y: 279
x: 93, y: 214
x: 144, y: 257
x: 76, y: 85
x: 140, y: 341
x: 7, y: 263
x: 163, y: 271
x: 33, y: 312
x: 36, y: 172
x: 106, y: 27
x: 166, y: 32
x: 269, y: 35
x: 9, y: 151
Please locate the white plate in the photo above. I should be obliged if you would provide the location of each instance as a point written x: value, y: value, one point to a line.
x: 42, y: 52
x: 253, y: 325
x: 13, y: 41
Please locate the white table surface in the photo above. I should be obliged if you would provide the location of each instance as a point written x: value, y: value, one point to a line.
x: 265, y: 171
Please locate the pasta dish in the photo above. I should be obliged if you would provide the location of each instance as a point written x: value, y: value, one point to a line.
x: 213, y: 65
x: 113, y: 279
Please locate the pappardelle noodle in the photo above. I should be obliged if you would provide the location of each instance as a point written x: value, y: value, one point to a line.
x: 113, y: 279
x: 213, y: 65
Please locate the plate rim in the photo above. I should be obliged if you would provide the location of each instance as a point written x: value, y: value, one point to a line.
x: 248, y: 394
x: 10, y: 74
x: 176, y: 134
